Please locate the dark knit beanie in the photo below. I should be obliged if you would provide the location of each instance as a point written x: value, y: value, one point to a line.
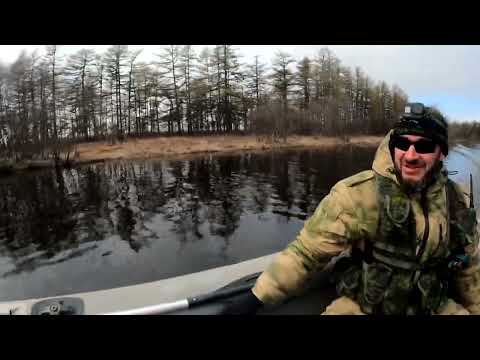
x: 423, y: 121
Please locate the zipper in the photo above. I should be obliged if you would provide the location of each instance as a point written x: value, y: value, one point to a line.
x: 423, y: 245
x: 426, y: 232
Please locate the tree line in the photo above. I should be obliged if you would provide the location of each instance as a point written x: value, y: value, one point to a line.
x: 51, y: 100
x: 464, y: 130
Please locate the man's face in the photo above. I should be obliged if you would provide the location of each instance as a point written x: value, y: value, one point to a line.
x: 414, y: 167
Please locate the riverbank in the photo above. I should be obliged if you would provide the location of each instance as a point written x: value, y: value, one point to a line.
x: 171, y: 147
x: 10, y: 166
x: 463, y: 141
x: 181, y: 146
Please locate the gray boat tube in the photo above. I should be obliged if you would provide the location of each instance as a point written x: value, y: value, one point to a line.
x: 173, y: 296
x: 166, y: 296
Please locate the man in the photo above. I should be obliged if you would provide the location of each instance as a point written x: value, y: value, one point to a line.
x: 407, y: 235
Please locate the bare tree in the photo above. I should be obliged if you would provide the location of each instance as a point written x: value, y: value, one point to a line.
x: 206, y: 81
x: 99, y: 127
x: 346, y: 100
x: 399, y: 99
x: 170, y: 70
x: 52, y: 59
x: 32, y: 82
x: 304, y: 80
x: 282, y: 81
x: 226, y: 82
x: 131, y: 86
x: 187, y: 57
x: 19, y: 98
x: 78, y: 73
x: 257, y: 81
x: 115, y: 60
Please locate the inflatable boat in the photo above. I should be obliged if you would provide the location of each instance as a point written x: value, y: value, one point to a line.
x: 202, y: 293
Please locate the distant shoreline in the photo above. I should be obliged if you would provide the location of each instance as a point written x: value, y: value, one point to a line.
x: 164, y: 147
x: 463, y: 141
x: 180, y: 146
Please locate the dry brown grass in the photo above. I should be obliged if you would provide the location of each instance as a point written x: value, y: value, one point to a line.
x: 177, y: 146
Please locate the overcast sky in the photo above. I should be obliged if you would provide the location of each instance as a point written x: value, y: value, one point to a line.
x: 443, y: 75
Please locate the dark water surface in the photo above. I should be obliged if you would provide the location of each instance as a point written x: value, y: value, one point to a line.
x: 123, y: 223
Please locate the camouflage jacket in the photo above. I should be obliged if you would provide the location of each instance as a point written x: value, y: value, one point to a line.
x: 348, y: 216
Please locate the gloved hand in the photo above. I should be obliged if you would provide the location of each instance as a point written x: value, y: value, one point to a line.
x: 242, y: 304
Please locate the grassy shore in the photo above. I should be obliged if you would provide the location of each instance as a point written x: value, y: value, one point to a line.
x: 171, y: 147
x: 178, y: 147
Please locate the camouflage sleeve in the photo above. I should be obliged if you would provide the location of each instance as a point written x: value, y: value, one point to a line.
x: 324, y: 235
x: 467, y: 284
x: 467, y: 281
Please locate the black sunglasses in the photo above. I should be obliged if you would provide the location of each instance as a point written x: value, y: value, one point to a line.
x: 422, y: 146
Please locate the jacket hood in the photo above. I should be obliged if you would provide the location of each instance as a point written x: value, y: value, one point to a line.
x: 383, y: 165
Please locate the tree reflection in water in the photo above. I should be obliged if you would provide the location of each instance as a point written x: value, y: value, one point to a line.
x: 175, y: 216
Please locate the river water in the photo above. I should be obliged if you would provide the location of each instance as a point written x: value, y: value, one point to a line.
x: 122, y: 223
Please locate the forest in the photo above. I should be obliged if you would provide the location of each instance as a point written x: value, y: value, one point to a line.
x: 50, y: 102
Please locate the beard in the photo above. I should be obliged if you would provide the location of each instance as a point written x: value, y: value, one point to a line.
x: 414, y: 187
